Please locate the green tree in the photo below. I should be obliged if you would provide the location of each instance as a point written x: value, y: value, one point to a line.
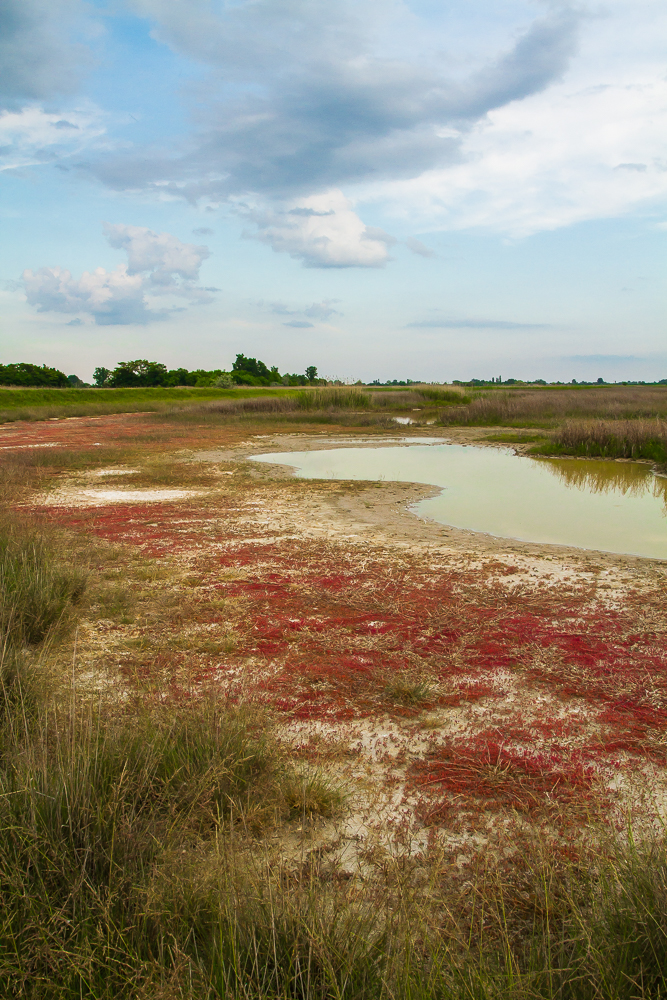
x: 100, y: 376
x: 32, y: 375
x: 311, y: 373
x: 138, y: 373
x: 250, y: 371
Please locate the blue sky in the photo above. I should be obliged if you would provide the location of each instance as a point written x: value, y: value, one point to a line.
x: 382, y: 188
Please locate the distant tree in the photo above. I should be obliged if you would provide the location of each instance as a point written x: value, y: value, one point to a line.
x: 224, y: 381
x: 128, y: 374
x: 75, y: 382
x: 101, y: 376
x: 311, y: 373
x: 250, y: 371
x: 24, y: 374
x: 179, y: 376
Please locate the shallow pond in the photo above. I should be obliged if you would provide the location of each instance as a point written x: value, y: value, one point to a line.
x: 610, y: 506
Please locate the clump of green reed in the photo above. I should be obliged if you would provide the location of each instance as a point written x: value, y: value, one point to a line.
x: 334, y: 398
x: 611, y: 439
x: 409, y: 691
x: 452, y: 396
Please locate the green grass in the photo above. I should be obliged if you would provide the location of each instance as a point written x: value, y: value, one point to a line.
x: 41, y: 404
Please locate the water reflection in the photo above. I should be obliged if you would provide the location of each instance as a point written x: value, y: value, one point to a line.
x: 612, y: 506
x: 625, y: 478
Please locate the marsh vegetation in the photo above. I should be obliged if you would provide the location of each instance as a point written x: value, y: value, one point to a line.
x: 145, y: 825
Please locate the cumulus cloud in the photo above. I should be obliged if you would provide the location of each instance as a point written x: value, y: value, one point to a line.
x: 321, y: 231
x: 159, y: 264
x: 111, y: 297
x: 590, y: 147
x: 38, y: 58
x: 303, y: 97
x: 162, y: 254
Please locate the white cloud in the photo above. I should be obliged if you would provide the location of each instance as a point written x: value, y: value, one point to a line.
x: 111, y: 297
x: 158, y: 264
x: 323, y: 310
x: 306, y: 96
x: 32, y: 136
x: 160, y: 253
x: 419, y: 248
x: 322, y: 231
x: 590, y: 147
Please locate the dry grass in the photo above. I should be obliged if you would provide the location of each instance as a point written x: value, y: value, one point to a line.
x: 645, y: 439
x: 548, y: 407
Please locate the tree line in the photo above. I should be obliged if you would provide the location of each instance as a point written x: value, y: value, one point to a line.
x: 147, y: 374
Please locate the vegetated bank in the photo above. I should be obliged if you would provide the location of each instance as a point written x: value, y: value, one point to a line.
x: 43, y: 404
x: 605, y: 421
x: 142, y: 837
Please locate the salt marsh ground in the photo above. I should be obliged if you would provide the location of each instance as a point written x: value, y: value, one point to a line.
x: 444, y: 756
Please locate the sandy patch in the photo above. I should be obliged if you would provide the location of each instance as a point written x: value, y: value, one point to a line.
x: 116, y: 472
x: 94, y: 498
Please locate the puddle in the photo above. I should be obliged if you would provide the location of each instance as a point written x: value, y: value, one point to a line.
x: 605, y: 505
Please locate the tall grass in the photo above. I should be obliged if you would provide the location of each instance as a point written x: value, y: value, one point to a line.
x: 308, y: 400
x: 433, y: 394
x: 548, y: 407
x: 128, y: 869
x: 611, y: 439
x: 37, y: 594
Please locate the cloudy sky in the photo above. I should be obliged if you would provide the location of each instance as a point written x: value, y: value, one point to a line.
x: 381, y: 188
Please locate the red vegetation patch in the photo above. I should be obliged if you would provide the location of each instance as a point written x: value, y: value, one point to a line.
x: 467, y: 777
x: 567, y: 689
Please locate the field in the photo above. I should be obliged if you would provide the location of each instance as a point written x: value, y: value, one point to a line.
x: 268, y: 738
x: 45, y: 404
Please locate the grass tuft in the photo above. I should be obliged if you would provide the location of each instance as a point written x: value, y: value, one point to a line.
x: 37, y: 595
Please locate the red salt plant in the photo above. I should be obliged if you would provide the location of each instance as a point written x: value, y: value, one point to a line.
x: 480, y: 774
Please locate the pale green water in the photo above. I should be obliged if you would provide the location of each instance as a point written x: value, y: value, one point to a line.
x: 611, y: 506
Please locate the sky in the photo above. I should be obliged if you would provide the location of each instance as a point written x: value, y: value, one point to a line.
x: 385, y: 189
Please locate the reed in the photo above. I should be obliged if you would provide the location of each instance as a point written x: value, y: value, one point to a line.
x: 636, y: 439
x: 549, y: 407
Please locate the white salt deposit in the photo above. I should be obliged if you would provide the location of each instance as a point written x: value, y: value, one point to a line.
x: 134, y: 496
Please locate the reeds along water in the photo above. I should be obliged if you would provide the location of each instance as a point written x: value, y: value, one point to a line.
x: 628, y: 479
x: 615, y: 439
x: 548, y: 406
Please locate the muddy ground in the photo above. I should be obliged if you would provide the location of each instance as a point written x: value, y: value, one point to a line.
x: 459, y: 687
